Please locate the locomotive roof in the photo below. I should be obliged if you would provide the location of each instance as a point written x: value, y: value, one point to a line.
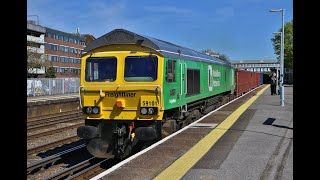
x: 122, y: 36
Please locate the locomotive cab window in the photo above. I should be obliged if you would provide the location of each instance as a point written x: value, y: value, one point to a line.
x: 171, y: 71
x: 102, y: 69
x: 141, y: 69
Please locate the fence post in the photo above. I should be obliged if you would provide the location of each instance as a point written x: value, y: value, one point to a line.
x: 75, y: 86
x: 50, y: 86
x: 34, y: 89
x: 62, y: 85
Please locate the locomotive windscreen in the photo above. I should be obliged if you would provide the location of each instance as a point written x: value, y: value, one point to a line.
x: 101, y: 69
x: 141, y: 68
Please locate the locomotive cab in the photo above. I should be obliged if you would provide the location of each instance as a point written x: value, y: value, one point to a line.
x: 121, y: 99
x: 134, y: 87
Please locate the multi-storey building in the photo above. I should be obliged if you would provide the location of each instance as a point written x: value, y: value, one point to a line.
x: 64, y: 51
x: 89, y: 38
x: 35, y: 49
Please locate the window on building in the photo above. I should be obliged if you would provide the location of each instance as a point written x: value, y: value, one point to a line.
x: 74, y: 70
x: 52, y: 47
x: 52, y: 58
x: 64, y: 59
x: 65, y: 70
x: 66, y: 49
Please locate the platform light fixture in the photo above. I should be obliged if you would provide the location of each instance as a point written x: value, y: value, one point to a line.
x: 281, y: 57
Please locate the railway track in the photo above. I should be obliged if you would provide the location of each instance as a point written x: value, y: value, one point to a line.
x: 52, y: 116
x: 46, y: 133
x: 80, y: 170
x: 42, y: 124
x: 47, y: 146
x: 52, y: 159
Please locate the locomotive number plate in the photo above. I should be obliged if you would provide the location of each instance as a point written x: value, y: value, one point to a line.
x: 149, y: 101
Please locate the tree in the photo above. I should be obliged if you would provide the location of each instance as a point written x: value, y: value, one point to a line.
x: 288, y: 44
x: 50, y: 73
x: 210, y: 52
x: 35, y: 59
x: 216, y: 54
x: 224, y: 57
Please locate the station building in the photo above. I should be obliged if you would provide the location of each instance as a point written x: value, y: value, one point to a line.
x: 64, y: 51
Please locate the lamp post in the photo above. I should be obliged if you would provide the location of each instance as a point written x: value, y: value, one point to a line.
x: 282, y: 56
x: 277, y: 74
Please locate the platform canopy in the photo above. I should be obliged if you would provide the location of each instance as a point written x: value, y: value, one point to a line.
x: 122, y: 36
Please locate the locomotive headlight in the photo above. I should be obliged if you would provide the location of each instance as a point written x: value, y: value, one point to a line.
x: 143, y: 111
x: 95, y: 110
x: 150, y: 111
x: 89, y: 110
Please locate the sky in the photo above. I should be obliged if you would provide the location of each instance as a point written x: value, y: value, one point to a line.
x: 240, y: 29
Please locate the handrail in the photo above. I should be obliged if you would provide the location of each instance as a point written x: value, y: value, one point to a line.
x: 186, y: 77
x: 181, y: 80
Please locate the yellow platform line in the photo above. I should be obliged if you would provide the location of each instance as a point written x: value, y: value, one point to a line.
x: 181, y: 166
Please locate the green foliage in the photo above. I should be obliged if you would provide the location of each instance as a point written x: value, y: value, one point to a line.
x: 50, y: 73
x: 288, y: 44
x: 35, y: 59
x: 216, y: 54
x: 224, y: 57
x: 209, y: 52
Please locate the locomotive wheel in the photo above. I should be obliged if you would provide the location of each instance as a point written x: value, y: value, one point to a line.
x: 194, y: 115
x: 169, y: 127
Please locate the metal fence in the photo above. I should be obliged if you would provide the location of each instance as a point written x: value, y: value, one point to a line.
x: 288, y: 78
x: 52, y: 86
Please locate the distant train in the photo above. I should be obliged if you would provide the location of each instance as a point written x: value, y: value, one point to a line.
x: 133, y: 88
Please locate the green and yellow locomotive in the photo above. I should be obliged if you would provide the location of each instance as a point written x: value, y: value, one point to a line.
x: 133, y: 88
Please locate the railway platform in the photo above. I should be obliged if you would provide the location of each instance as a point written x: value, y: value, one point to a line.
x: 42, y: 99
x: 250, y: 138
x: 54, y: 104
